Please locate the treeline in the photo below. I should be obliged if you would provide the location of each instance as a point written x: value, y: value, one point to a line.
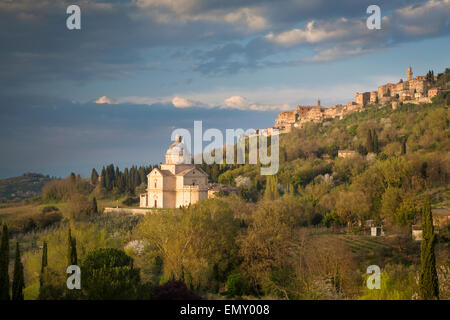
x: 115, y: 181
x: 110, y: 182
x: 63, y: 189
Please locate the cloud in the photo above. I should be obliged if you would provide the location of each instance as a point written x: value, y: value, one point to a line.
x: 335, y: 53
x: 332, y: 39
x: 313, y: 32
x: 179, y: 102
x: 428, y: 19
x: 239, y: 14
x: 105, y: 100
x: 61, y: 136
x: 242, y: 103
x: 121, y: 39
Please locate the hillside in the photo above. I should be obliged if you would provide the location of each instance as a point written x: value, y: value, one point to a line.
x: 411, y: 142
x: 301, y: 234
x: 24, y: 186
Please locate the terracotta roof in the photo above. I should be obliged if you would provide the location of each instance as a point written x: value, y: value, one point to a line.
x: 162, y: 172
x: 184, y: 172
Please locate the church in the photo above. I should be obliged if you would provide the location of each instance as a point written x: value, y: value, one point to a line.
x: 177, y: 182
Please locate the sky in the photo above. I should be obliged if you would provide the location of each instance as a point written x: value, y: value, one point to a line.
x: 112, y: 92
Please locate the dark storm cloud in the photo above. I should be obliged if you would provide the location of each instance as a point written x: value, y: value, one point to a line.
x: 230, y: 35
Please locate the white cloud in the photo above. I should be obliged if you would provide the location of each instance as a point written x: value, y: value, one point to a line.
x: 426, y: 19
x: 318, y: 31
x: 105, y: 100
x: 247, y: 17
x: 179, y: 102
x: 168, y: 11
x: 242, y: 103
x: 336, y: 53
x: 236, y: 102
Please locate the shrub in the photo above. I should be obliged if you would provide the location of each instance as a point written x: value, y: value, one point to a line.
x: 236, y: 285
x: 109, y: 274
x: 174, y: 290
x: 131, y: 201
x: 35, y: 221
x: 80, y: 207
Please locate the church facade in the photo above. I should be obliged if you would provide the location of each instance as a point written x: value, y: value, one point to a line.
x: 177, y: 182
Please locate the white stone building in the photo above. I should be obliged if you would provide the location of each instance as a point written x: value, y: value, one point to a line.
x: 177, y: 182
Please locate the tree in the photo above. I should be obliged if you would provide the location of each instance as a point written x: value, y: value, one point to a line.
x: 44, y: 262
x: 428, y: 281
x: 79, y: 207
x: 94, y: 205
x: 4, y: 264
x: 271, y: 191
x: 94, y: 177
x: 109, y: 274
x: 369, y: 141
x: 71, y: 249
x: 271, y: 245
x: 202, y: 238
x: 18, y: 278
x: 375, y: 142
x: 404, y: 145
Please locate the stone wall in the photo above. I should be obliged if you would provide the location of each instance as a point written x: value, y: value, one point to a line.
x: 129, y: 211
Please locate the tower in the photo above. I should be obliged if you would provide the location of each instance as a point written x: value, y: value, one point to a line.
x: 409, y: 74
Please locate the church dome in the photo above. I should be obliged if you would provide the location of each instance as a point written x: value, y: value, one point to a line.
x: 177, y: 152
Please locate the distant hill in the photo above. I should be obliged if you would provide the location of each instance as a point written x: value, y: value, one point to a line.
x: 25, y: 186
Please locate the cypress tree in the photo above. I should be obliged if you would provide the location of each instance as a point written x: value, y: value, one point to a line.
x: 428, y: 281
x: 404, y: 146
x: 103, y: 178
x: 71, y: 260
x: 94, y: 177
x: 94, y: 206
x: 4, y: 264
x: 369, y: 141
x: 44, y: 262
x: 375, y: 141
x: 18, y: 279
x: 71, y: 249
x: 43, y: 266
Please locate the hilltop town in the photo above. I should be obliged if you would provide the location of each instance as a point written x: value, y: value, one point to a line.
x: 414, y: 90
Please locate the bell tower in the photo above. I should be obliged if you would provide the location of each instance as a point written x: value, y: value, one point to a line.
x: 409, y: 74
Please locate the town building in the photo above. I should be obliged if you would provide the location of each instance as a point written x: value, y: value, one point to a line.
x: 347, y: 154
x: 433, y: 92
x: 373, y: 96
x: 362, y: 99
x: 413, y: 90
